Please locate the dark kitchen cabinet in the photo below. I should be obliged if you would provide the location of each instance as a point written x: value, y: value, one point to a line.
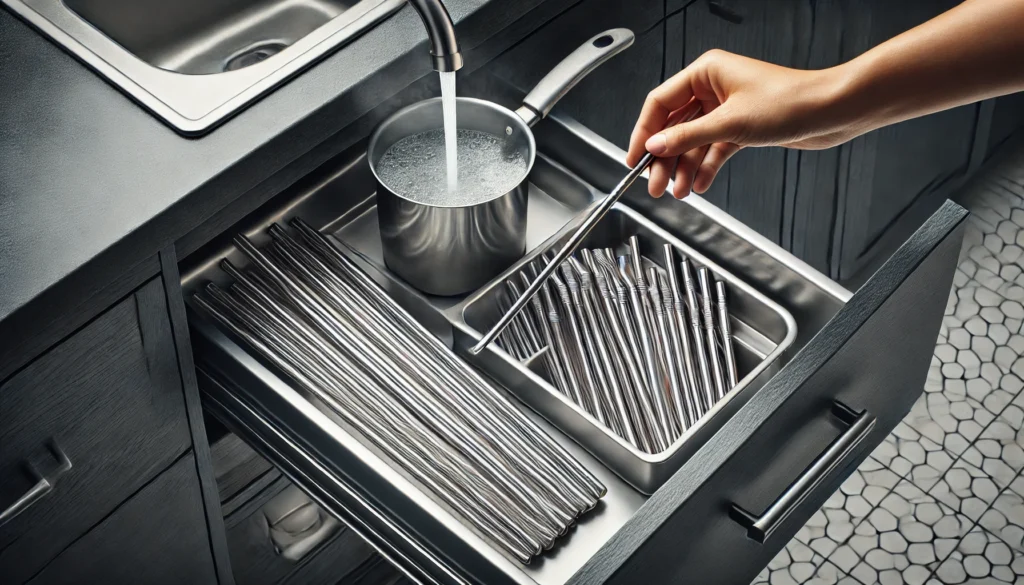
x: 842, y: 208
x: 101, y: 451
x: 751, y: 186
x: 157, y: 537
x: 892, y: 178
x: 281, y: 536
x: 96, y: 418
x: 1007, y: 116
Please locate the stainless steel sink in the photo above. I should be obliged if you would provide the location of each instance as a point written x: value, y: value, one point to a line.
x: 195, y: 62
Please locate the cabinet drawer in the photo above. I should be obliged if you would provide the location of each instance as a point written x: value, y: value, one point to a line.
x: 281, y: 535
x: 157, y: 537
x: 84, y: 427
x: 857, y: 364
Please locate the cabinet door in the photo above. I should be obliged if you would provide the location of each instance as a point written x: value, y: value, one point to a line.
x: 85, y: 426
x: 157, y: 537
x: 891, y: 179
x: 751, y: 186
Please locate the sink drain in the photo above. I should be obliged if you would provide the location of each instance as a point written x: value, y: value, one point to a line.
x: 253, y: 55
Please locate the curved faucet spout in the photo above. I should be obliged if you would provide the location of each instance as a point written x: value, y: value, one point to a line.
x: 444, y: 48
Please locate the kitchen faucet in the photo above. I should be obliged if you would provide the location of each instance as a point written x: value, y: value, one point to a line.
x: 444, y: 48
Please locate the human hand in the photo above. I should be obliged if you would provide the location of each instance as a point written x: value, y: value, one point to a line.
x: 745, y: 102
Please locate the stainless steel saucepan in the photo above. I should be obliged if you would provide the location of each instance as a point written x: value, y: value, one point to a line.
x: 451, y: 250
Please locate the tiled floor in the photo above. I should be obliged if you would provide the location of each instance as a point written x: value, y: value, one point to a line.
x: 942, y: 500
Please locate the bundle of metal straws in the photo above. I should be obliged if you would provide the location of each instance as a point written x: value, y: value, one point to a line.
x: 644, y: 352
x: 315, y: 315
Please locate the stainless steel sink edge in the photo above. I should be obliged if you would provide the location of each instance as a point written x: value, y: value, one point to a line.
x: 191, y: 104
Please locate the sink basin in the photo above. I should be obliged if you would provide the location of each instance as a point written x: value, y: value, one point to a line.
x: 193, y: 63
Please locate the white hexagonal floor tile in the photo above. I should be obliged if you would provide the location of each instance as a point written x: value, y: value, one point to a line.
x: 947, y: 415
x: 903, y: 539
x: 799, y: 565
x: 914, y: 456
x: 999, y: 451
x: 833, y: 524
x: 1006, y: 516
x: 967, y: 489
x: 981, y: 558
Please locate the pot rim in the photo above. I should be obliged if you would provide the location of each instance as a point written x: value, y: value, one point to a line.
x: 509, y: 114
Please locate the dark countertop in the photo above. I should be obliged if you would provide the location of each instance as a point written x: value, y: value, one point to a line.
x: 91, y: 185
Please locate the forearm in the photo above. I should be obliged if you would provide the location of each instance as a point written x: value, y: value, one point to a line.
x: 972, y: 52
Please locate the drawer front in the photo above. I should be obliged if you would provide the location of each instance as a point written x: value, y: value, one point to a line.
x: 723, y: 516
x: 284, y: 536
x: 157, y: 537
x: 84, y: 427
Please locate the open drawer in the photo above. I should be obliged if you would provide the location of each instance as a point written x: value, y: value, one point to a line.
x: 852, y: 369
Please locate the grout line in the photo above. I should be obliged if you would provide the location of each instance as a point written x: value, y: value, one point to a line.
x: 973, y: 523
x: 853, y: 530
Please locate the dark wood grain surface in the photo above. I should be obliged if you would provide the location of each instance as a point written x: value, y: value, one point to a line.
x: 236, y: 465
x: 750, y: 186
x: 895, y: 167
x: 157, y: 537
x: 110, y: 398
x: 1007, y: 118
x: 810, y: 212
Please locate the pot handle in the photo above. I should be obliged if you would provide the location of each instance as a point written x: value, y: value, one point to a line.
x: 571, y: 70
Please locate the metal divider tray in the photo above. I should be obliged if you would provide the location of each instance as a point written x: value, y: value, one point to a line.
x: 358, y: 484
x: 763, y: 331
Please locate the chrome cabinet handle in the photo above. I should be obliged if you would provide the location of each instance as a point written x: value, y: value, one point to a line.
x: 760, y: 528
x: 44, y: 485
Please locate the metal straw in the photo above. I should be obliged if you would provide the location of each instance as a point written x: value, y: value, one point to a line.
x: 670, y: 355
x: 619, y: 413
x: 478, y: 396
x: 707, y: 305
x: 708, y: 394
x: 681, y: 335
x: 629, y: 375
x: 725, y: 329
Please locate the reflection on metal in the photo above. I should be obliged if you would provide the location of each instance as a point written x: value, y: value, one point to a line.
x: 194, y: 63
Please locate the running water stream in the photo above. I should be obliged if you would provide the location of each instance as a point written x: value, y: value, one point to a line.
x: 450, y: 133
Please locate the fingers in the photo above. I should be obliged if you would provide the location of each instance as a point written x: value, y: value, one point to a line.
x: 716, y: 157
x: 668, y: 97
x: 661, y: 173
x: 716, y: 126
x: 686, y: 170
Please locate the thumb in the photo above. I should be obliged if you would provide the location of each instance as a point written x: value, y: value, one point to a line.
x: 681, y: 138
